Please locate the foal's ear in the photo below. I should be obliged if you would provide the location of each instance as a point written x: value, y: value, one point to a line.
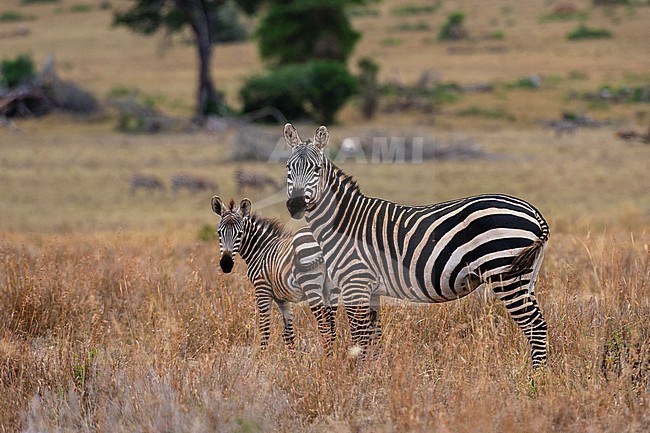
x: 321, y: 137
x: 291, y: 135
x: 217, y: 205
x: 245, y: 207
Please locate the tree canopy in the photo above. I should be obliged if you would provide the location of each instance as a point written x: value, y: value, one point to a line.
x: 150, y: 16
x: 304, y: 30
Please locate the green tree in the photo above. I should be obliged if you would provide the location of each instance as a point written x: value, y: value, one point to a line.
x: 299, y: 31
x: 307, y: 44
x: 149, y: 16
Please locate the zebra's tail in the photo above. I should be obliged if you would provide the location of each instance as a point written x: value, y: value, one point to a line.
x: 528, y: 258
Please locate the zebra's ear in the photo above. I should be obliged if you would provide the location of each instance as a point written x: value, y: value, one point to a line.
x: 217, y: 205
x: 321, y: 137
x: 245, y: 207
x: 291, y: 135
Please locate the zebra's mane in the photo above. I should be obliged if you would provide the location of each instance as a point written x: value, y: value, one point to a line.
x: 344, y: 178
x: 270, y: 224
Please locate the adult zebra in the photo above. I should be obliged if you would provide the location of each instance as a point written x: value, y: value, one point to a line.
x: 283, y: 267
x: 435, y: 253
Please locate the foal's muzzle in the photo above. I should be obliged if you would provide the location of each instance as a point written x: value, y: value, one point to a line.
x: 226, y: 263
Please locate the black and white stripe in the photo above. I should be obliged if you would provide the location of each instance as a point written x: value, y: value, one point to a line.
x: 246, y: 179
x: 284, y: 268
x: 435, y: 253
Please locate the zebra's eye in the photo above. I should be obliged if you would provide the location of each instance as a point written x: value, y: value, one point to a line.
x: 317, y: 169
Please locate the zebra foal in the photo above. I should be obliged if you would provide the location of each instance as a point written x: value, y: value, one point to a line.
x: 434, y: 253
x: 284, y: 268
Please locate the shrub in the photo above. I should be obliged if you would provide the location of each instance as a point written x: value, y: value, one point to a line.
x: 368, y: 86
x: 301, y: 31
x: 530, y: 82
x: 496, y: 113
x: 563, y: 13
x: 610, y: 2
x: 584, y: 32
x: 453, y: 29
x: 207, y: 233
x: 497, y: 35
x: 17, y: 71
x: 27, y: 2
x: 414, y: 10
x: 420, y: 26
x: 316, y: 89
x: 391, y: 42
x: 13, y: 16
x: 228, y: 26
x: 81, y: 8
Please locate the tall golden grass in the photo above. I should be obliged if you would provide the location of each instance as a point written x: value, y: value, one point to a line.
x: 112, y: 318
x: 113, y: 334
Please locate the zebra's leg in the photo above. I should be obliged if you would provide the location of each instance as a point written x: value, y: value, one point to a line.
x: 322, y: 312
x: 314, y: 284
x: 375, y: 322
x: 332, y: 293
x: 288, y: 334
x: 264, y: 324
x: 357, y: 309
x: 518, y: 295
x: 375, y: 332
x: 335, y: 294
x: 359, y: 318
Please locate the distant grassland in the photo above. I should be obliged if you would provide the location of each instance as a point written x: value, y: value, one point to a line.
x: 55, y: 179
x: 114, y: 316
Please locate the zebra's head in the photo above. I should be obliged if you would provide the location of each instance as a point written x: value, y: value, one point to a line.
x: 304, y: 169
x: 231, y: 229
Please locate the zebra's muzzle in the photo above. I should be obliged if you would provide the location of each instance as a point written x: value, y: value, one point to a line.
x: 297, y: 207
x: 226, y: 263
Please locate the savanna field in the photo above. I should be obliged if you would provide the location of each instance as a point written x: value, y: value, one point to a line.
x: 114, y: 314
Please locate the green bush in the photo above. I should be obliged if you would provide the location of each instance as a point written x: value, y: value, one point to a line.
x: 488, y: 113
x: 301, y: 31
x: 228, y: 26
x: 497, y: 35
x: 406, y: 10
x: 584, y: 32
x: 610, y: 2
x: 316, y: 89
x: 420, y: 26
x: 13, y: 16
x: 81, y: 8
x: 207, y: 233
x: 17, y: 71
x: 563, y: 15
x: 453, y: 29
x: 368, y: 86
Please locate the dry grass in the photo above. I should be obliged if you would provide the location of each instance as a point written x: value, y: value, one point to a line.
x: 113, y: 318
x: 120, y: 335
